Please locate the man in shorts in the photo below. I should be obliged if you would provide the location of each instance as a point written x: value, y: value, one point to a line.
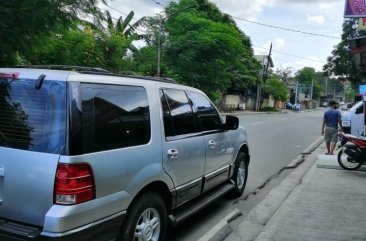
x: 331, y: 120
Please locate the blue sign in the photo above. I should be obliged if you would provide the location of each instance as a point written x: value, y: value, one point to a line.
x: 362, y: 89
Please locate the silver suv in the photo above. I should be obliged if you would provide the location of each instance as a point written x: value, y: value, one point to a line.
x: 88, y: 155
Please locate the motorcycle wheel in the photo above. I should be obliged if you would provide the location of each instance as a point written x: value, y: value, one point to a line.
x: 346, y: 162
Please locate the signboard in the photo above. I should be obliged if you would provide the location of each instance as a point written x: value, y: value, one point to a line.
x: 355, y: 9
x: 362, y: 89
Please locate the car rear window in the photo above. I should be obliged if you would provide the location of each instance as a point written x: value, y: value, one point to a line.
x: 33, y: 119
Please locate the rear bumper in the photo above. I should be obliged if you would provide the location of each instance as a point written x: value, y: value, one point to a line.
x: 106, y: 229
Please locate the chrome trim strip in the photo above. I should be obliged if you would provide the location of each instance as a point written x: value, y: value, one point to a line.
x: 189, y: 184
x: 208, y: 176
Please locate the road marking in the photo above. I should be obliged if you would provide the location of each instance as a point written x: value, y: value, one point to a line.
x: 219, y: 226
x: 257, y: 123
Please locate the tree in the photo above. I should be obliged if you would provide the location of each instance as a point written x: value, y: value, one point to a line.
x: 72, y: 46
x: 206, y: 50
x: 145, y: 61
x: 23, y: 23
x: 341, y: 62
x: 306, y: 75
x: 285, y: 74
x: 124, y: 28
x: 277, y: 88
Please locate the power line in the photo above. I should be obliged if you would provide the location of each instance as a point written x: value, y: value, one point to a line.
x: 143, y: 31
x: 158, y: 3
x: 115, y: 9
x: 287, y: 29
x: 272, y: 26
x: 295, y: 56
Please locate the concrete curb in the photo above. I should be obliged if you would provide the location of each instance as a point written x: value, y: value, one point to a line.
x: 258, y: 217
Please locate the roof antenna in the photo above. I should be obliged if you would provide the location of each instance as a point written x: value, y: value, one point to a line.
x: 40, y: 81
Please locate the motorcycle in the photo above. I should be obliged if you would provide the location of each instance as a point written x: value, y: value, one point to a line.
x: 351, y: 156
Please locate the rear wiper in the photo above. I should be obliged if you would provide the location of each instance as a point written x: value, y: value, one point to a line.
x: 39, y: 81
x: 3, y: 140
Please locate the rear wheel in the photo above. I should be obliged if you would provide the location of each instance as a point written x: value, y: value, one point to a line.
x: 240, y: 175
x: 146, y: 219
x: 346, y: 162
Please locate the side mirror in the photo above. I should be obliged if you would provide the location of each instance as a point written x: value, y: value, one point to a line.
x: 359, y: 110
x: 231, y: 123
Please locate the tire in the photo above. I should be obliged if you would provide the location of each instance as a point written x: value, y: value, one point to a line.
x: 146, y: 219
x: 345, y: 163
x: 240, y: 175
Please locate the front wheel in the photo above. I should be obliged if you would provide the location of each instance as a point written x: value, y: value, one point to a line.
x: 146, y: 219
x: 346, y: 162
x: 240, y: 175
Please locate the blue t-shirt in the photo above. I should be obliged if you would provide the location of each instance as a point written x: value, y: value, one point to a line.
x: 331, y: 118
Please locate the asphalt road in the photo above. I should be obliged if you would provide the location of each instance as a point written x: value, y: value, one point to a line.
x: 275, y: 141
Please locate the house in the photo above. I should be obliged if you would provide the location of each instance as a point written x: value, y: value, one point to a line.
x: 247, y: 100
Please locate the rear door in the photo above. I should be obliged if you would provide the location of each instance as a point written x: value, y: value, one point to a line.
x: 183, y: 146
x: 32, y: 138
x: 218, y: 142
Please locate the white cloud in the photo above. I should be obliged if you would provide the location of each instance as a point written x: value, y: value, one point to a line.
x: 279, y: 43
x: 318, y: 19
x: 244, y: 9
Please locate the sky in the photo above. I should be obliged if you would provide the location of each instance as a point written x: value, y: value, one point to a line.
x: 290, y: 49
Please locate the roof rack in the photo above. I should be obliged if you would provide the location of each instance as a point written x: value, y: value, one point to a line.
x: 166, y: 80
x: 65, y: 67
x: 95, y: 71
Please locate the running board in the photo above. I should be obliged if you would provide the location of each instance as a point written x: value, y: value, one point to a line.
x: 184, y: 213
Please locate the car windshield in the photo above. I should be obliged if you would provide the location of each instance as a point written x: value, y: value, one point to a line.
x: 33, y: 119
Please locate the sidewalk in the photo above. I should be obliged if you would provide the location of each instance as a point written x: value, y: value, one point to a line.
x: 317, y: 201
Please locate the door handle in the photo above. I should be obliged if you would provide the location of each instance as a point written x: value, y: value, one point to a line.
x: 212, y: 144
x: 173, y: 153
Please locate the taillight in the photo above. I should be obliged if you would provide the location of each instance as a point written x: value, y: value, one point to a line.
x: 74, y: 184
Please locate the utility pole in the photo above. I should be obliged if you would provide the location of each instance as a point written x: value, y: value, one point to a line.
x: 264, y: 77
x: 297, y: 86
x: 269, y: 57
x: 311, y: 93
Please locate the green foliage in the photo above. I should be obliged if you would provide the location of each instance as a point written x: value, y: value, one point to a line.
x: 145, y: 61
x: 277, y: 88
x: 207, y: 50
x: 71, y: 47
x: 350, y: 93
x: 269, y: 109
x: 305, y: 75
x: 24, y: 23
x: 341, y: 62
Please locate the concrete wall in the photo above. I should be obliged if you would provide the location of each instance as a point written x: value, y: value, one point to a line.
x: 233, y: 102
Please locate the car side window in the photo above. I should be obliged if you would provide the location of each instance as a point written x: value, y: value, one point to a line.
x: 208, y: 116
x: 178, y: 116
x: 114, y: 117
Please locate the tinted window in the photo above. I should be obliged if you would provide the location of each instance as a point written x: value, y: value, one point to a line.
x: 33, y: 119
x: 182, y: 120
x: 208, y: 117
x: 114, y: 117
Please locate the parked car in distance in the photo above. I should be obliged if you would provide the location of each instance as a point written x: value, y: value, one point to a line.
x: 353, y: 119
x: 344, y: 107
x: 89, y: 155
x: 289, y: 106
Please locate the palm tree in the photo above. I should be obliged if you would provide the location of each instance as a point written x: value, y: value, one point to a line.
x: 124, y: 28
